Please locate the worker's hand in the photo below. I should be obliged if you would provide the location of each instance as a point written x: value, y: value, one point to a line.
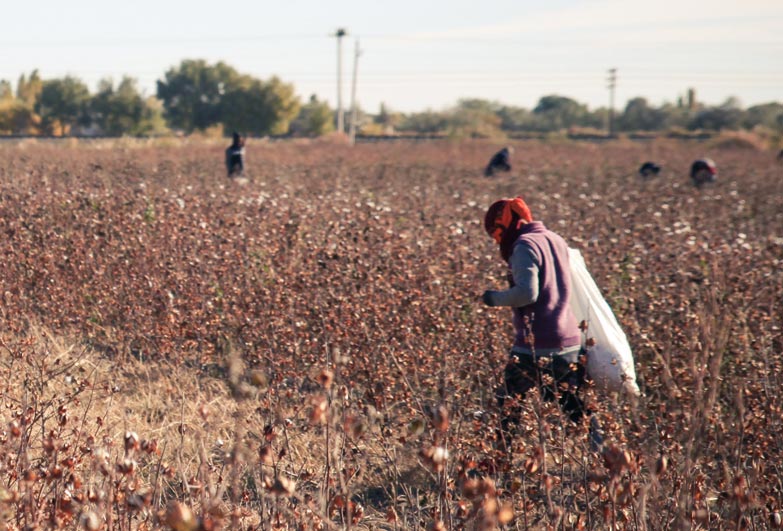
x: 489, y: 297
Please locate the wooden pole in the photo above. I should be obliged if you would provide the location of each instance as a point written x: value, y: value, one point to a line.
x: 357, y: 53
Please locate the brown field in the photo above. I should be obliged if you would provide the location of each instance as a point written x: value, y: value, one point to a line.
x: 308, y: 349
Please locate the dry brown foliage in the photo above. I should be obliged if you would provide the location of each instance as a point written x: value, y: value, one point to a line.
x: 308, y: 350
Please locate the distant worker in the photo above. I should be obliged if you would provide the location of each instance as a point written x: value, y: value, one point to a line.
x: 649, y: 169
x: 500, y: 161
x: 235, y: 156
x: 703, y: 171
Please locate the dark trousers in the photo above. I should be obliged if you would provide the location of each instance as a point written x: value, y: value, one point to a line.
x: 235, y: 165
x: 558, y: 376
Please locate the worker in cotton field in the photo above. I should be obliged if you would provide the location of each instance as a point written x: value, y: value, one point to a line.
x: 703, y: 171
x: 649, y: 169
x: 500, y: 161
x: 548, y: 339
x: 235, y: 156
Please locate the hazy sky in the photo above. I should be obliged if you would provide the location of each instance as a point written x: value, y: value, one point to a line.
x: 418, y: 54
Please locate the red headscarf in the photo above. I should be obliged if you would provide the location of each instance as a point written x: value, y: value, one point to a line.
x: 504, y: 220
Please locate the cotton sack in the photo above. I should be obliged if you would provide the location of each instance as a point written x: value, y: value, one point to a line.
x: 609, y: 361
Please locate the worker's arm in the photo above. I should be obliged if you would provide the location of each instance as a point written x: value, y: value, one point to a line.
x: 524, y: 270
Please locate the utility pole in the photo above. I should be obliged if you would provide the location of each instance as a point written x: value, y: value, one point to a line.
x: 340, y: 33
x: 612, y: 83
x: 357, y: 53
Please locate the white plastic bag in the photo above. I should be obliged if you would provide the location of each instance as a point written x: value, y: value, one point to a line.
x: 609, y: 361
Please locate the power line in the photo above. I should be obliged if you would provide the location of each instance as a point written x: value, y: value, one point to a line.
x: 155, y: 41
x: 476, y: 75
x: 106, y: 40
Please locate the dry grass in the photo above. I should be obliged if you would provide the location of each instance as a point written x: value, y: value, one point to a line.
x: 740, y: 140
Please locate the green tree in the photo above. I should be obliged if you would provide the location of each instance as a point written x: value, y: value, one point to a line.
x: 424, y: 122
x: 674, y: 115
x: 63, y: 104
x: 17, y: 118
x: 152, y: 121
x: 766, y: 114
x: 315, y: 119
x: 387, y: 118
x: 118, y: 111
x: 192, y: 93
x: 515, y: 118
x: 125, y: 111
x: 475, y: 117
x: 259, y: 108
x: 596, y: 118
x: 6, y: 92
x: 728, y: 115
x: 559, y: 112
x: 639, y: 116
x: 29, y: 90
x: 16, y: 110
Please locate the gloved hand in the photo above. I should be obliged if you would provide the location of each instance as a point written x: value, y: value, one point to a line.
x: 489, y: 297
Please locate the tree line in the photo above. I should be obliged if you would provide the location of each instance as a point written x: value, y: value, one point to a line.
x: 553, y: 113
x: 198, y: 96
x: 192, y: 96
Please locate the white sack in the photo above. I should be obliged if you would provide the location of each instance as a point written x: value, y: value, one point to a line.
x: 609, y: 361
